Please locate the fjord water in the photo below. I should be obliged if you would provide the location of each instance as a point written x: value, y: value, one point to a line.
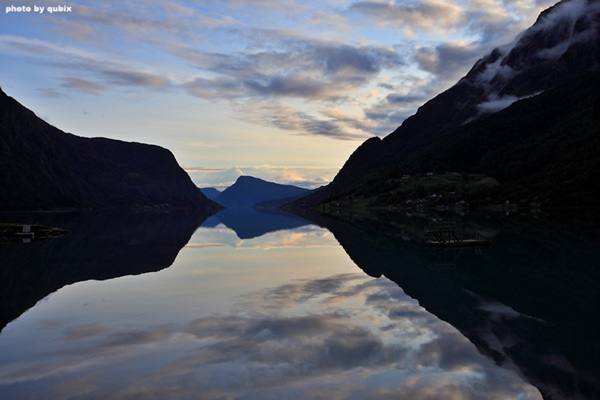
x: 159, y: 306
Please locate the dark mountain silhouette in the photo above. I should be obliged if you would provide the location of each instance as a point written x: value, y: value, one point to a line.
x: 247, y: 191
x: 274, y: 206
x: 44, y: 168
x: 527, y: 114
x: 253, y: 207
x: 98, y: 246
x: 211, y: 192
x: 530, y: 301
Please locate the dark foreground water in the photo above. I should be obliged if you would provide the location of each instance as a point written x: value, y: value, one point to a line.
x: 177, y: 306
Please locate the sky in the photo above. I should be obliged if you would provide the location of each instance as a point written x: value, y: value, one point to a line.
x: 283, y: 90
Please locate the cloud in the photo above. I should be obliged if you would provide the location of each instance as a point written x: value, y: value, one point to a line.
x: 83, y: 85
x: 142, y: 20
x: 337, y: 337
x: 51, y: 93
x: 304, y: 121
x: 216, y: 234
x: 322, y: 127
x: 398, y: 106
x: 79, y: 332
x: 459, y: 35
x: 424, y: 14
x: 118, y: 76
x: 112, y: 73
x: 559, y: 25
x: 397, y: 98
x: 447, y: 59
x: 288, y: 66
x: 262, y: 83
x: 261, y: 7
x: 486, y: 23
x: 494, y: 104
x: 345, y: 59
x: 305, y: 177
x: 214, y: 177
x: 268, y: 56
x: 554, y: 32
x: 287, y: 86
x: 293, y: 348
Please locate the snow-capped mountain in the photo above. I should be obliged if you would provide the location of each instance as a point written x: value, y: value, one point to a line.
x: 468, y: 128
x: 564, y: 41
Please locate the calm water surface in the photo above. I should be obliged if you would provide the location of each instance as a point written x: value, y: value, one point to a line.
x: 284, y: 315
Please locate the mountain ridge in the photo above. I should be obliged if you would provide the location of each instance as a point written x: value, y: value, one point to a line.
x: 248, y: 191
x: 211, y: 192
x: 562, y: 48
x: 45, y: 168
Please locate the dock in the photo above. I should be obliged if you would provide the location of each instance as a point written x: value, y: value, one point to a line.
x: 28, y: 233
x: 446, y: 237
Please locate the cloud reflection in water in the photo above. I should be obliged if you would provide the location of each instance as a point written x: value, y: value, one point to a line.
x: 342, y: 337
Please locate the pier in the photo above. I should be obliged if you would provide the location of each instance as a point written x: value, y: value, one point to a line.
x: 445, y: 236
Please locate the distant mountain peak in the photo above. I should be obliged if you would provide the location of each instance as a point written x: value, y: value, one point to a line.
x: 245, y: 179
x: 211, y: 192
x: 248, y: 191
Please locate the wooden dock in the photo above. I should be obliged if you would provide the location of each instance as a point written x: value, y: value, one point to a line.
x: 446, y: 237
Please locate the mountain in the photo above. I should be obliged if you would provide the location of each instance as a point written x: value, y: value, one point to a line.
x: 211, y: 192
x: 526, y: 116
x: 274, y: 206
x: 247, y: 191
x: 44, y: 168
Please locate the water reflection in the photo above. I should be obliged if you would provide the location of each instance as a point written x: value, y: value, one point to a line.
x: 248, y: 223
x: 530, y: 302
x: 343, y: 336
x: 27, y: 233
x: 217, y: 233
x: 287, y: 315
x: 99, y: 246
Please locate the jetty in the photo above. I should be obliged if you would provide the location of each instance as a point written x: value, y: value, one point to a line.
x: 27, y: 233
x: 446, y: 237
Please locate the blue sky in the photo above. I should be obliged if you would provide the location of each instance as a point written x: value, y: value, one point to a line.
x: 281, y: 90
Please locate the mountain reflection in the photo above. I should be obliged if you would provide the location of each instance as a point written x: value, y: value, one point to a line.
x: 343, y: 336
x: 531, y: 300
x: 100, y: 246
x: 248, y: 223
x: 288, y: 315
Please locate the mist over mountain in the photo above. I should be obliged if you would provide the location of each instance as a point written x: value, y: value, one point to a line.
x: 248, y: 191
x: 44, y: 168
x: 526, y: 116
